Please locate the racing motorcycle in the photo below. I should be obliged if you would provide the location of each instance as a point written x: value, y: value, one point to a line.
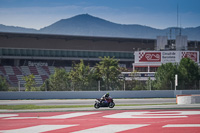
x: 109, y: 102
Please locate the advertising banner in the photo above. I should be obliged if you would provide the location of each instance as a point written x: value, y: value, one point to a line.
x: 170, y: 56
x: 165, y: 56
x: 149, y: 56
x: 192, y: 55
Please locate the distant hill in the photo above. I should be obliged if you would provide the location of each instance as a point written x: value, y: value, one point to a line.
x: 4, y: 28
x: 87, y: 25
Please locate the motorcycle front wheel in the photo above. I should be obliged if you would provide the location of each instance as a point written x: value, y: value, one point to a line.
x: 96, y: 105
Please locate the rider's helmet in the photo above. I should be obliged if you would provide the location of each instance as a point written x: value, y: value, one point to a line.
x: 107, y: 94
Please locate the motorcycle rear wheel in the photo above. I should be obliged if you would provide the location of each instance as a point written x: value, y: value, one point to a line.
x: 111, y: 105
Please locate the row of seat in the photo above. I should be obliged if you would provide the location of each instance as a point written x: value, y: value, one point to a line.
x: 15, y: 74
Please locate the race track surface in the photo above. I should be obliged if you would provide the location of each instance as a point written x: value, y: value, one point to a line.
x: 106, y: 121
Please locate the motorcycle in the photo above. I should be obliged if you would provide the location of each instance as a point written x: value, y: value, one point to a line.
x: 109, y: 102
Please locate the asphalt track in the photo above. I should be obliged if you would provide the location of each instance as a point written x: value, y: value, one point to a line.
x: 154, y: 103
x: 89, y: 101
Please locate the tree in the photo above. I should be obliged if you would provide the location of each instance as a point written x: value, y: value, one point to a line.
x: 188, y: 73
x: 3, y: 84
x: 45, y: 86
x: 59, y: 81
x: 30, y: 84
x: 148, y: 84
x: 80, y: 76
x: 164, y: 77
x: 108, y: 70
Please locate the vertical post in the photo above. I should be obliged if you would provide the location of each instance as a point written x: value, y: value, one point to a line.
x: 195, y: 84
x: 45, y: 85
x: 177, y: 16
x: 176, y: 81
x: 171, y: 84
x: 199, y: 84
x: 124, y: 84
x: 99, y: 85
x: 19, y: 85
x: 150, y: 84
x: 148, y: 68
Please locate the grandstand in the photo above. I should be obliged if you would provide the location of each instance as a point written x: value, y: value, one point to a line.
x: 14, y: 74
x: 38, y: 54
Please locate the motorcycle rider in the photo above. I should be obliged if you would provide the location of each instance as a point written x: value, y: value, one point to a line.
x: 104, y: 101
x: 104, y: 97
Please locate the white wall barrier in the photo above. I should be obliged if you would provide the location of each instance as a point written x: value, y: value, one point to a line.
x: 94, y: 94
x: 188, y: 99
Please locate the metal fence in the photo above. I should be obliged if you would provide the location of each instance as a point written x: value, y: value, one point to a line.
x: 121, y: 85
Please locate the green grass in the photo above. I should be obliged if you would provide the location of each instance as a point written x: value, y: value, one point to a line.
x: 29, y: 106
x: 145, y: 104
x: 23, y: 107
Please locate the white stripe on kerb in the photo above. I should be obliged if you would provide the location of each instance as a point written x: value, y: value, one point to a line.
x: 113, y: 128
x: 37, y: 129
x: 15, y: 118
x: 182, y: 125
x: 71, y: 115
x: 63, y: 116
x: 148, y: 114
x: 8, y: 115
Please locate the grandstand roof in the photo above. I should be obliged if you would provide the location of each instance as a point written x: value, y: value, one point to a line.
x: 50, y: 41
x: 57, y: 36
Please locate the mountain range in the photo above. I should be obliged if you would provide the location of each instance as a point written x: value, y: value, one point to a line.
x: 87, y: 25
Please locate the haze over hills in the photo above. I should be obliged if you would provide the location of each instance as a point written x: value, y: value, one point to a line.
x: 87, y: 25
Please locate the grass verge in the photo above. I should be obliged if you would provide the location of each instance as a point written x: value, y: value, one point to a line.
x: 146, y: 104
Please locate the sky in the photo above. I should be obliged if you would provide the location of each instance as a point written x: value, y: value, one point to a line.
x: 158, y: 14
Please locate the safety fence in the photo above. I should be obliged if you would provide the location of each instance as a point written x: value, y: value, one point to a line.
x: 93, y: 94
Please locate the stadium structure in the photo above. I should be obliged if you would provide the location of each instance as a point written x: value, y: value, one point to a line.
x: 23, y: 54
x: 146, y: 63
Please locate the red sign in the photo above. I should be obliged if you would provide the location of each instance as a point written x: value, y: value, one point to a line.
x: 149, y: 56
x: 191, y: 55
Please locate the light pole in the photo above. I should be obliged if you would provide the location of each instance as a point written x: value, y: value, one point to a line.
x: 99, y: 85
x: 124, y: 83
x: 176, y: 81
